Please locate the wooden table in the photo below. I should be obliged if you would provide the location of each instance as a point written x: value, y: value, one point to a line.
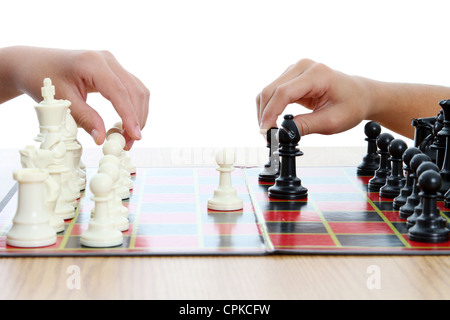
x: 233, y: 277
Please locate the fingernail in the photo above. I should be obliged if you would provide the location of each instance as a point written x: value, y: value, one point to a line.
x: 94, y: 135
x: 137, y: 132
x: 263, y: 131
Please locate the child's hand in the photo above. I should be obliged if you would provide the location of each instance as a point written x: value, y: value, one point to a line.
x: 338, y: 101
x: 77, y: 73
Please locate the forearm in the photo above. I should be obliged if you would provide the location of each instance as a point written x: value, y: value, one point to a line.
x: 8, y: 87
x: 394, y: 105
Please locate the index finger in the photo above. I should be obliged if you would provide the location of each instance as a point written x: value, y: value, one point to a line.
x: 284, y: 95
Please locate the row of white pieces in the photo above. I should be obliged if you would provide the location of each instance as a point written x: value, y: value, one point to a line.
x: 109, y: 187
x: 36, y: 225
x: 109, y: 217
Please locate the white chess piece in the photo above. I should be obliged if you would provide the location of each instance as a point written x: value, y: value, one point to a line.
x: 118, y: 212
x: 101, y: 232
x: 113, y: 148
x: 129, y: 165
x: 52, y: 115
x: 225, y: 196
x: 124, y: 157
x: 31, y: 227
x: 30, y: 157
x: 122, y: 187
x: 52, y: 193
x: 73, y: 150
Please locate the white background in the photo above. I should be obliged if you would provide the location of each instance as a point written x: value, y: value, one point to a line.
x: 205, y: 61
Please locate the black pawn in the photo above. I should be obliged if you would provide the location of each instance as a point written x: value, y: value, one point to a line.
x: 407, y: 189
x: 413, y: 200
x: 429, y: 227
x: 396, y: 180
x: 371, y: 160
x: 384, y: 168
x: 288, y: 186
x: 424, y: 166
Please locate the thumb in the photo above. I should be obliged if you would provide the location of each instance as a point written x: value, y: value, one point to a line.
x: 328, y: 120
x: 315, y: 122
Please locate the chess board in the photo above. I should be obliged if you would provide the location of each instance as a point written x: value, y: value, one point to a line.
x: 169, y: 216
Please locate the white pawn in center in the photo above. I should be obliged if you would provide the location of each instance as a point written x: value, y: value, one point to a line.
x: 225, y: 196
x: 102, y: 232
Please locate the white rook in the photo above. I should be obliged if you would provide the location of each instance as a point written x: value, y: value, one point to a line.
x: 31, y: 225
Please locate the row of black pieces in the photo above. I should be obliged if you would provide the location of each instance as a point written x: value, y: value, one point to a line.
x: 432, y: 136
x: 417, y: 202
x: 410, y: 192
x: 281, y: 169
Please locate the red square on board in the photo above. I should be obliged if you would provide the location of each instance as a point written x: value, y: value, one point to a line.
x: 360, y: 228
x: 301, y: 240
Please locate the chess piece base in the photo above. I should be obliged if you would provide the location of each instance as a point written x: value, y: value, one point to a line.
x: 288, y: 190
x: 225, y: 201
x: 108, y: 237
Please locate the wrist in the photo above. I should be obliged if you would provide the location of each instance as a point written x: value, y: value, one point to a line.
x: 9, y: 88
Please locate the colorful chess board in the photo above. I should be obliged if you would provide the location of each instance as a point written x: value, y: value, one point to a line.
x: 169, y: 216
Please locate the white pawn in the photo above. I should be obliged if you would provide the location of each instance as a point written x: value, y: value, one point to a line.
x: 114, y: 148
x: 101, y: 232
x: 124, y: 158
x: 127, y: 163
x: 121, y: 187
x: 31, y: 227
x: 118, y: 212
x: 225, y: 196
x: 111, y: 158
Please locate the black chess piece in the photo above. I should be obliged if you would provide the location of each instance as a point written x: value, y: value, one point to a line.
x: 396, y: 180
x: 288, y: 186
x: 447, y: 199
x: 371, y: 161
x: 424, y: 166
x: 429, y: 227
x: 423, y: 135
x: 413, y: 200
x: 445, y: 132
x: 406, y: 191
x: 438, y: 144
x: 384, y: 169
x: 271, y: 169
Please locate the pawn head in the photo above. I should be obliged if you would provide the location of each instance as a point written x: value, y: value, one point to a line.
x: 397, y: 147
x: 112, y: 147
x: 430, y: 181
x: 101, y: 185
x: 372, y: 129
x: 111, y: 170
x: 225, y: 156
x: 409, y: 154
x: 417, y: 160
x: 384, y: 140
